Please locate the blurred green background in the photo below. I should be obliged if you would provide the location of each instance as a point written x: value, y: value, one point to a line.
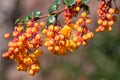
x: 99, y: 60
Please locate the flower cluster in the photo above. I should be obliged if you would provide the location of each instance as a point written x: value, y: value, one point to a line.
x: 70, y: 12
x: 24, y: 47
x: 59, y: 39
x: 82, y: 33
x: 106, y: 16
x: 67, y: 15
x: 56, y: 38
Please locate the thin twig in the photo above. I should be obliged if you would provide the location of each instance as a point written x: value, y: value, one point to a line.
x: 56, y: 12
x: 59, y: 22
x: 115, y: 3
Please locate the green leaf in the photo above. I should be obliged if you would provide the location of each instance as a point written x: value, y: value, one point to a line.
x: 24, y: 27
x: 31, y: 14
x: 37, y: 14
x: 17, y: 21
x: 85, y: 1
x: 26, y: 18
x: 65, y: 2
x: 51, y: 19
x: 69, y: 2
x: 23, y: 21
x: 47, y: 24
x: 57, y: 2
x: 29, y: 17
x: 86, y: 9
x: 53, y: 8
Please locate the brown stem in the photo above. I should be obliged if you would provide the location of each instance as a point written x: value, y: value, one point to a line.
x: 59, y: 22
x: 55, y: 12
x: 115, y: 3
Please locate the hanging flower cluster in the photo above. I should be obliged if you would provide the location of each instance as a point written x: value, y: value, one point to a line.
x: 107, y: 15
x: 59, y: 39
x: 23, y: 49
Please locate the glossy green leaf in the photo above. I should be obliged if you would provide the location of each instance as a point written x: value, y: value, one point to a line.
x: 53, y: 8
x: 57, y: 2
x: 86, y: 9
x: 68, y: 2
x: 85, y: 1
x: 47, y: 23
x: 37, y: 14
x: 65, y: 2
x: 31, y: 14
x: 17, y: 21
x: 51, y: 19
x: 71, y: 2
x: 34, y: 14
x: 26, y: 18
x: 23, y: 21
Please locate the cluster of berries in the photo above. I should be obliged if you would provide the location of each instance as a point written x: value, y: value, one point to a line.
x: 82, y: 33
x: 106, y: 16
x: 24, y: 47
x: 60, y: 39
x: 71, y: 11
x: 56, y: 38
x: 67, y: 15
